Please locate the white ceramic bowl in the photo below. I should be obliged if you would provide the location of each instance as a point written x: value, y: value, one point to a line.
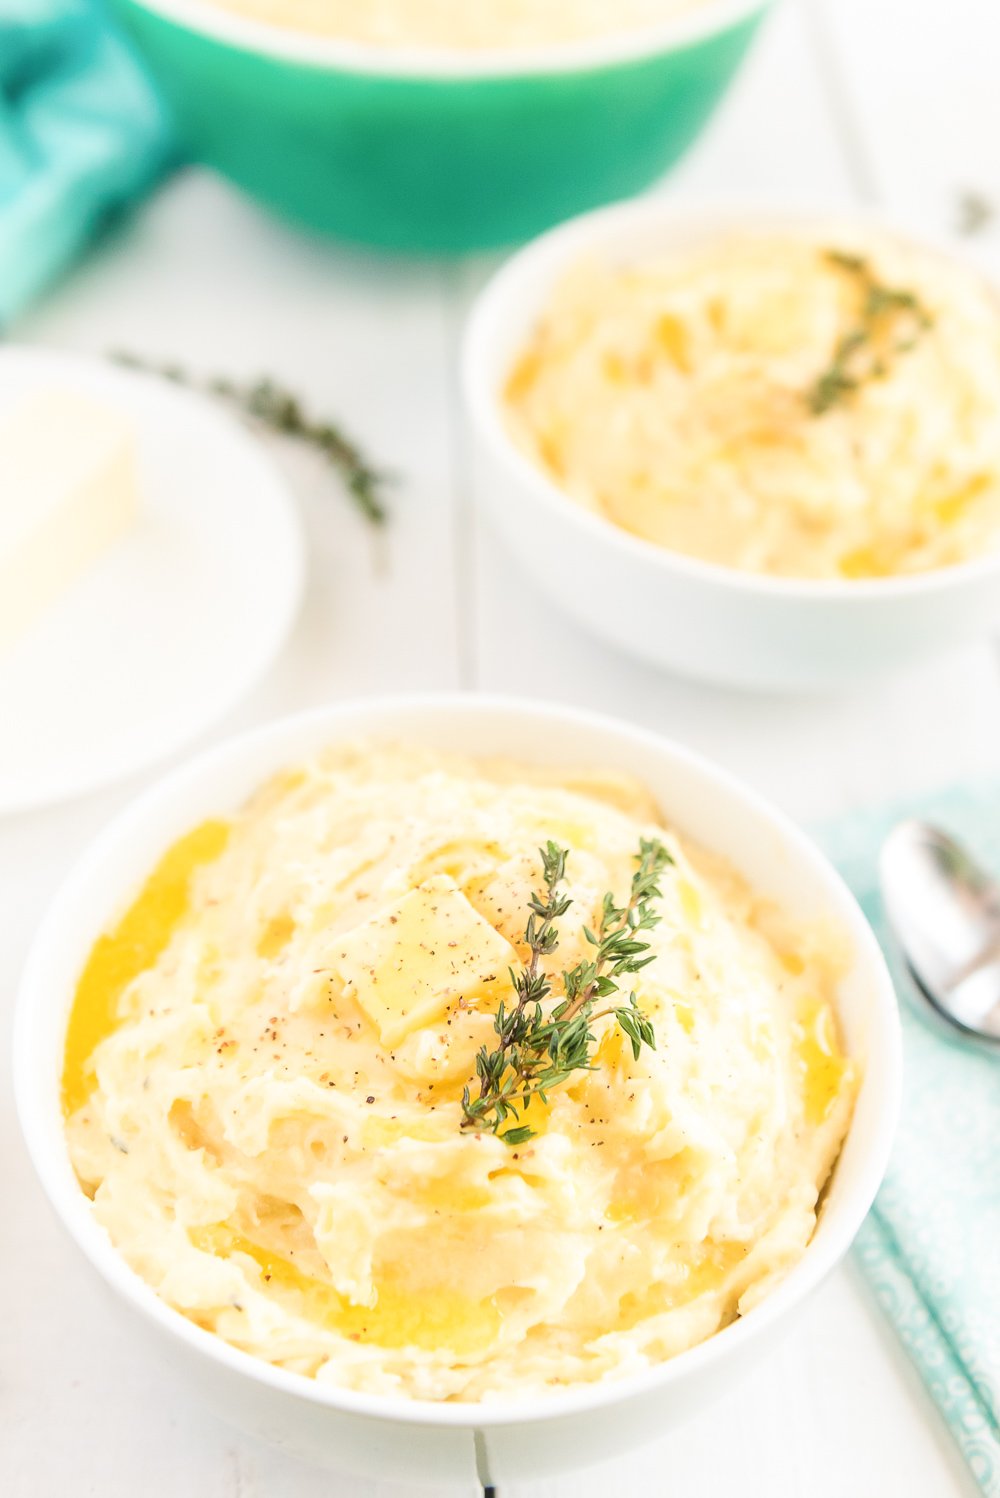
x: 693, y: 617
x: 448, y: 1445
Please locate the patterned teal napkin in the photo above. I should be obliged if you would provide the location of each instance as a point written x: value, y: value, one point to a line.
x: 931, y: 1246
x: 81, y: 134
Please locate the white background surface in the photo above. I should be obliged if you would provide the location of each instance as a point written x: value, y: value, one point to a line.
x: 890, y: 101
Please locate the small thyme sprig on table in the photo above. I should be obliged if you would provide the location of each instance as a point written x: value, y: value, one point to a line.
x: 847, y: 372
x: 267, y: 402
x: 975, y: 212
x: 535, y: 1051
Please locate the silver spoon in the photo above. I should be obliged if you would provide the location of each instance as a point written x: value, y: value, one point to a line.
x: 944, y: 911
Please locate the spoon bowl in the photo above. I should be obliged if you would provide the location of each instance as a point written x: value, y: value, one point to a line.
x: 944, y: 910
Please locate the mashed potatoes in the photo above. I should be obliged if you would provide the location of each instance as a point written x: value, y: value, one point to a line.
x: 265, y: 1060
x: 465, y: 24
x: 683, y: 398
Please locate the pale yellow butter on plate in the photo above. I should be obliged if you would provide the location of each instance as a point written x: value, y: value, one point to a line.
x: 68, y: 491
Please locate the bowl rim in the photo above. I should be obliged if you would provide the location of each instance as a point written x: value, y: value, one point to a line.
x: 442, y: 64
x: 37, y: 1104
x: 539, y: 262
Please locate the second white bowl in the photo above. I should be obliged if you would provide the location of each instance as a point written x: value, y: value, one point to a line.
x: 696, y: 618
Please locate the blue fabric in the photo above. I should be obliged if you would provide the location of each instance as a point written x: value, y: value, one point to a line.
x: 82, y: 133
x: 931, y: 1246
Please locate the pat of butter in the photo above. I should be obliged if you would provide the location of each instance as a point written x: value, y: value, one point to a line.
x: 68, y: 490
x: 410, y: 963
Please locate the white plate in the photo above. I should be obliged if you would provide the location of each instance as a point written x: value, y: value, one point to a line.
x: 175, y: 622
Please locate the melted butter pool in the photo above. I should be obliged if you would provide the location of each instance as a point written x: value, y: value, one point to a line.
x: 822, y: 1065
x: 119, y: 956
x: 431, y: 1320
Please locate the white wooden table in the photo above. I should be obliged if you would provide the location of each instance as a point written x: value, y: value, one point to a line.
x: 891, y: 101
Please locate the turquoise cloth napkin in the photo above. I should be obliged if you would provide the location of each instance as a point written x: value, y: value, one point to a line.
x: 82, y: 133
x: 931, y: 1246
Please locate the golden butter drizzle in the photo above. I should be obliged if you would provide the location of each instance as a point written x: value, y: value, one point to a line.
x: 400, y: 1316
x: 119, y: 956
x: 706, y: 1274
x: 822, y: 1065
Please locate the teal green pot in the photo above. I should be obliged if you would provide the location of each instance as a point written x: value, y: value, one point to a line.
x: 435, y: 151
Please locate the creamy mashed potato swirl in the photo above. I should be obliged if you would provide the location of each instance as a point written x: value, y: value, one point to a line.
x: 265, y: 1060
x: 467, y: 25
x: 672, y: 397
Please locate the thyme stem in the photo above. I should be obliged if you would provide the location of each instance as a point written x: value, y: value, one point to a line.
x: 274, y: 407
x: 857, y: 358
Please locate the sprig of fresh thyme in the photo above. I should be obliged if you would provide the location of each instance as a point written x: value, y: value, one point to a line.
x: 537, y: 1051
x: 856, y: 358
x: 975, y: 212
x: 276, y: 408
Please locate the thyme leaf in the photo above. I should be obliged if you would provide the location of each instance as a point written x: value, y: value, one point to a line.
x: 539, y: 1047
